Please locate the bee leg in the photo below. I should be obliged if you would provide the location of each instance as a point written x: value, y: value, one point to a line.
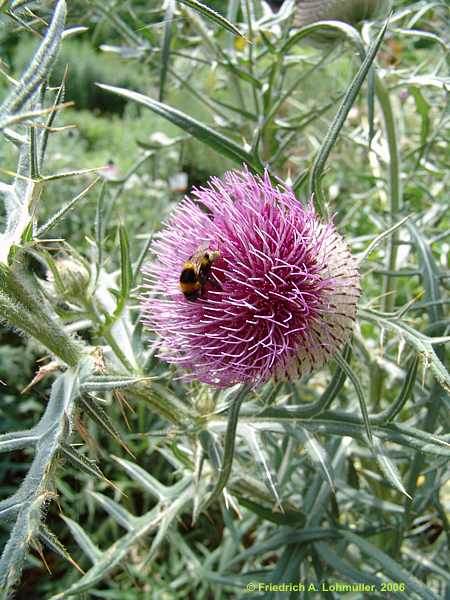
x: 215, y: 282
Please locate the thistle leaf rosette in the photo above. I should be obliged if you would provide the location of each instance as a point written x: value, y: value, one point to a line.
x: 280, y: 297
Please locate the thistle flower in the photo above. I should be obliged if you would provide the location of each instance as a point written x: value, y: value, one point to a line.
x: 352, y: 12
x: 349, y: 11
x: 279, y: 299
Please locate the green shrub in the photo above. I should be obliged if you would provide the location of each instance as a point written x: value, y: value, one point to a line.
x: 86, y: 67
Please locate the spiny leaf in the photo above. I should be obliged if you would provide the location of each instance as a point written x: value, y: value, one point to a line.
x: 62, y: 212
x: 117, y: 552
x: 26, y: 504
x: 254, y: 441
x: 147, y: 481
x: 83, y: 540
x: 316, y: 452
x: 96, y: 412
x: 50, y: 539
x: 83, y: 463
x: 422, y: 343
x: 39, y: 69
x: 388, y: 467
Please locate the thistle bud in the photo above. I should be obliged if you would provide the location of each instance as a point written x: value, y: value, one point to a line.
x: 73, y: 278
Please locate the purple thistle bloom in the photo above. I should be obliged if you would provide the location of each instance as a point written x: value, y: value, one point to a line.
x: 279, y: 299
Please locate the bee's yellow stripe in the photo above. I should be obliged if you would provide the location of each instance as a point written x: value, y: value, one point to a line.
x: 190, y: 287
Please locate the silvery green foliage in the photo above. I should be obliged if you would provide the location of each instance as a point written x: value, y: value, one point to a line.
x: 13, y: 108
x: 23, y: 306
x: 22, y: 511
x: 20, y: 105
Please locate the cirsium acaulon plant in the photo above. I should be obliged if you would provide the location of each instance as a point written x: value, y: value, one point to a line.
x: 281, y: 297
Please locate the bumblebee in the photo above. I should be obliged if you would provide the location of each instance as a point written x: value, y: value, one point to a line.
x: 196, y: 272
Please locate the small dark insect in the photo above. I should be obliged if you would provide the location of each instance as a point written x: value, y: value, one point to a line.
x: 427, y: 528
x: 196, y: 271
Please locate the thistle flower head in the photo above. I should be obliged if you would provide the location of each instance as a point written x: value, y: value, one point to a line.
x: 279, y: 298
x: 348, y: 11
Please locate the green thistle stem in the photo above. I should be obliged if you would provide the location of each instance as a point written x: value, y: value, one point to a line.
x: 395, y: 201
x: 395, y: 191
x: 22, y: 306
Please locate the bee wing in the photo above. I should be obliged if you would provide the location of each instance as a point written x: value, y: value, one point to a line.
x: 198, y: 254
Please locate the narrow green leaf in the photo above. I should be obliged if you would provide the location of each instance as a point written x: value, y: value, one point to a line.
x: 147, y: 481
x: 305, y: 411
x: 237, y: 109
x: 360, y: 497
x: 115, y: 511
x: 407, y: 389
x: 126, y: 271
x: 210, y: 445
x: 62, y: 212
x: 200, y: 131
x: 380, y: 238
x: 347, y: 570
x: 211, y: 14
x: 165, y: 47
x: 282, y: 538
x: 430, y: 272
x: 59, y: 98
x: 339, y: 120
x: 347, y: 31
x: 34, y: 164
x: 169, y: 516
x: 391, y: 568
x: 423, y: 109
x: 287, y: 517
x: 66, y: 174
